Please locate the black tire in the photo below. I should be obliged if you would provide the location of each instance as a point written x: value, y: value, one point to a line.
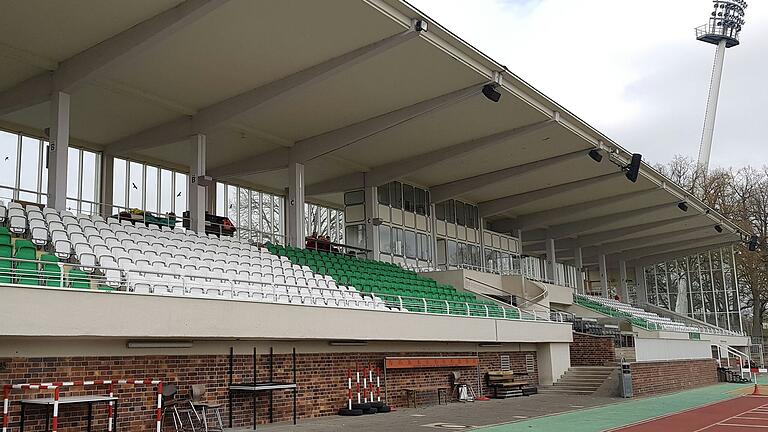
x: 377, y: 405
x: 350, y: 412
x: 370, y: 411
x: 361, y: 406
x: 384, y: 409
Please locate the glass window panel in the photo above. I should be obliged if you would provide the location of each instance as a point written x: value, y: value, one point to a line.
x: 461, y: 215
x: 397, y: 241
x: 383, y: 194
x: 410, y: 244
x: 441, y: 251
x: 440, y: 211
x: 9, y: 144
x: 166, y: 190
x: 91, y: 175
x: 450, y: 212
x: 355, y: 235
x: 258, y: 224
x: 354, y: 197
x: 30, y: 161
x: 135, y: 185
x: 180, y: 200
x: 453, y: 258
x: 277, y: 217
x: 428, y: 203
x: 385, y: 239
x: 421, y: 201
x: 151, y: 187
x: 408, y: 198
x: 118, y: 183
x: 396, y: 194
x: 44, y: 174
x: 73, y: 172
x: 232, y: 211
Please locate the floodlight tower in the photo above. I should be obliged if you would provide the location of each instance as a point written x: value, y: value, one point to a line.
x: 723, y: 30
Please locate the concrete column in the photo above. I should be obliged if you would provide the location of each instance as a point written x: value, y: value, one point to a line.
x: 642, y: 291
x: 553, y: 360
x: 603, y: 274
x: 295, y: 205
x: 371, y: 230
x: 578, y: 258
x: 623, y: 289
x: 551, y: 261
x: 210, y: 201
x: 58, y: 151
x: 107, y: 185
x: 196, y: 193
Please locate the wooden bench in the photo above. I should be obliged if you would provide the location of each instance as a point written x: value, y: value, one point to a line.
x: 411, y: 394
x: 506, y: 384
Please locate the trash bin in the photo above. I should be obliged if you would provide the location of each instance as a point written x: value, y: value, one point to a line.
x: 626, y: 381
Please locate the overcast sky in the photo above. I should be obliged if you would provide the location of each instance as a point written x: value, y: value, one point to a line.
x: 632, y: 69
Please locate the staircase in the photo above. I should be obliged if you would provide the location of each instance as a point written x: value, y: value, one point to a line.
x: 580, y: 380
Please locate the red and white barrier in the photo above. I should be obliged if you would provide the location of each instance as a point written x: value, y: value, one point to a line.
x: 57, y: 386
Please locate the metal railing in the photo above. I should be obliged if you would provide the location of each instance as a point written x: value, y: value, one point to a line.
x: 181, y: 283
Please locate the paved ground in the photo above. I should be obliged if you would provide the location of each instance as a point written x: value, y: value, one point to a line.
x: 538, y: 413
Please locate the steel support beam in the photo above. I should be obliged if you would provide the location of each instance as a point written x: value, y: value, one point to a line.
x: 500, y: 205
x: 197, y: 198
x: 636, y: 243
x: 295, y: 206
x: 637, y: 254
x: 221, y: 112
x: 119, y: 48
x: 557, y: 216
x: 578, y: 259
x: 58, y: 151
x: 603, y: 275
x: 664, y: 256
x: 551, y: 264
x: 623, y: 287
x: 457, y: 188
x: 386, y: 173
x: 314, y: 147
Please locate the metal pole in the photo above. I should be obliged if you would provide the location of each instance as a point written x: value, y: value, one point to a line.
x: 712, y: 99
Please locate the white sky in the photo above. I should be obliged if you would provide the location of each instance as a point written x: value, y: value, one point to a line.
x: 632, y: 69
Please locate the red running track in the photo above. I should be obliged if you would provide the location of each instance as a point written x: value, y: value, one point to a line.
x: 746, y: 413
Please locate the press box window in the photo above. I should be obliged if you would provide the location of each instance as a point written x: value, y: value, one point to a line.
x: 385, y: 239
x: 408, y: 198
x: 410, y: 244
x: 460, y: 214
x: 450, y: 212
x: 440, y: 211
x: 354, y: 197
x: 396, y: 195
x: 421, y: 201
x: 383, y: 194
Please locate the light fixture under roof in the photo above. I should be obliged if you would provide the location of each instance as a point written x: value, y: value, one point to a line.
x: 596, y: 155
x: 683, y: 206
x: 489, y: 90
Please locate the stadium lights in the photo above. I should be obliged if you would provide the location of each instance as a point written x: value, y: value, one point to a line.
x: 489, y: 90
x: 719, y: 228
x: 683, y: 206
x: 596, y: 155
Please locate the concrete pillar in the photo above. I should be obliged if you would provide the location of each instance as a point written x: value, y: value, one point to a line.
x: 603, y: 274
x: 551, y: 261
x: 295, y: 205
x: 58, y: 151
x: 578, y: 258
x: 210, y: 204
x: 640, y: 287
x: 107, y: 185
x: 623, y: 289
x: 371, y: 230
x: 196, y: 192
x: 553, y: 360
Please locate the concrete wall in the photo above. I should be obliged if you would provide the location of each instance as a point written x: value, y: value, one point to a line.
x: 64, y: 312
x: 554, y: 360
x: 671, y: 349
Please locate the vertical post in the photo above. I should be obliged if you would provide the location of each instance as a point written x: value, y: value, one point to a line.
x: 295, y: 205
x: 371, y: 230
x: 736, y: 287
x: 6, y: 406
x: 714, y: 95
x: 55, y: 420
x: 58, y: 151
x: 640, y: 287
x: 603, y: 274
x: 551, y: 261
x: 159, y: 410
x: 623, y: 289
x: 578, y: 258
x: 110, y: 409
x: 210, y: 193
x: 107, y: 184
x: 196, y: 192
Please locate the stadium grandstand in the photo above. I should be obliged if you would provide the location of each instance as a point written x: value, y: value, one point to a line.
x: 250, y: 197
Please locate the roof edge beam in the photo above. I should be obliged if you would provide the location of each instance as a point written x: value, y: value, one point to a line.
x: 272, y: 160
x: 30, y: 92
x: 653, y: 259
x: 675, y: 246
x: 651, y: 240
x: 577, y: 227
x: 602, y: 237
x: 456, y: 188
x: 343, y: 183
x: 500, y: 205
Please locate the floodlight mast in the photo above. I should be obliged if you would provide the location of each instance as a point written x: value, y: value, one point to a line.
x: 723, y: 30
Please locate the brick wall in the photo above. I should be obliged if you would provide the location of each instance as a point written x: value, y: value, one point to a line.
x: 650, y: 378
x: 321, y: 380
x: 591, y: 350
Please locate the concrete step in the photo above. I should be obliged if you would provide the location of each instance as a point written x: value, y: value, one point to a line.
x: 575, y: 387
x: 569, y: 381
x: 552, y: 390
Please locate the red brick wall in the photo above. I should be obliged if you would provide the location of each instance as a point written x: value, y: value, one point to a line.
x: 591, y: 350
x: 321, y: 380
x: 650, y: 378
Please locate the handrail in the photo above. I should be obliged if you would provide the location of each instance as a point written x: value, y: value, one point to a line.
x: 739, y: 354
x: 704, y: 326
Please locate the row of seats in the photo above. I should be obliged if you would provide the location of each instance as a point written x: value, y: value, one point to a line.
x: 396, y: 286
x: 637, y: 316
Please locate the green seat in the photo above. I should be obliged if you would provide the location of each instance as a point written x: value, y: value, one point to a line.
x: 5, y: 239
x: 26, y: 273
x: 78, y: 279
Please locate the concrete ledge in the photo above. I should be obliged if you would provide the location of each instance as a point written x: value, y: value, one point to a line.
x: 52, y: 312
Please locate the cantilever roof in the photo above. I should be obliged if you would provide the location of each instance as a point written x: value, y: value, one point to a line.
x: 376, y: 100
